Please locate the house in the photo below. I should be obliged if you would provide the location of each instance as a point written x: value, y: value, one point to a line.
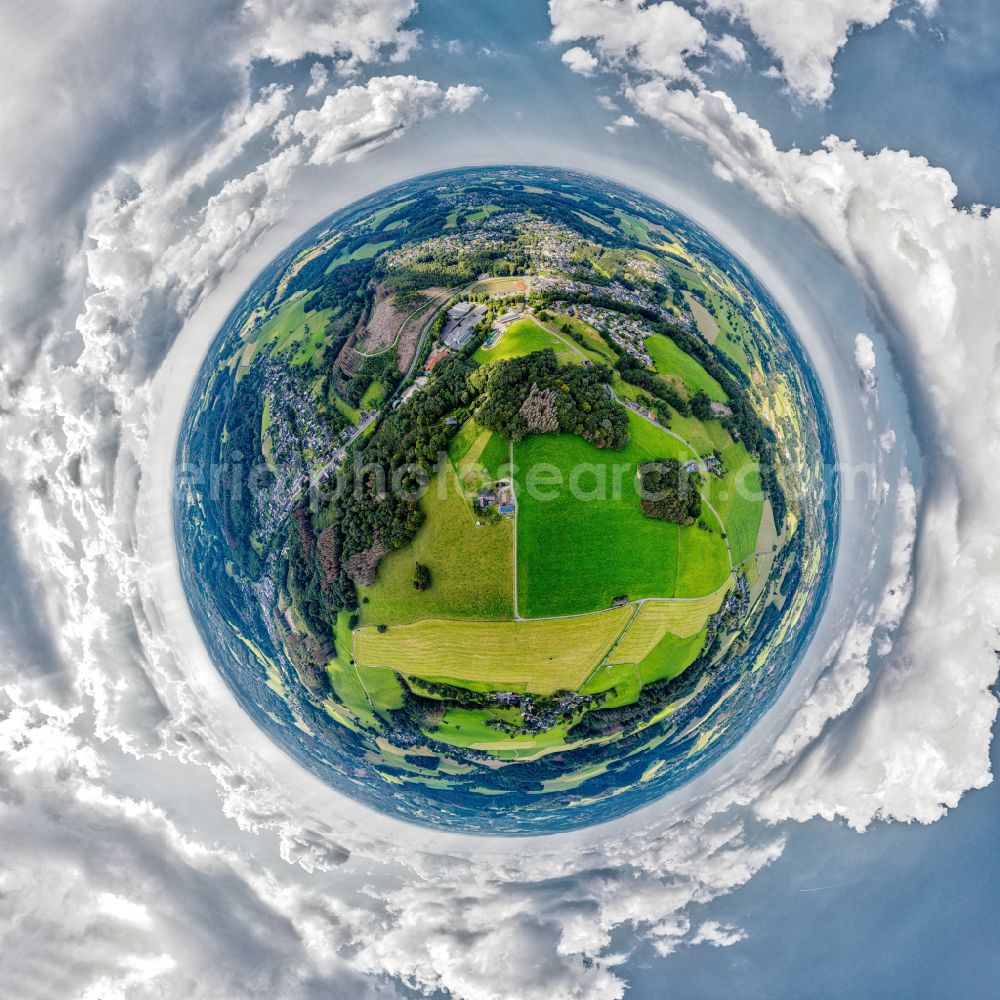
x: 690, y: 466
x: 450, y: 422
x: 486, y: 499
x: 620, y: 601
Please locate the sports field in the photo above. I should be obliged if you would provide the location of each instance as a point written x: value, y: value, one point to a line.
x: 500, y: 287
x: 586, y: 541
x: 471, y: 567
x: 549, y: 655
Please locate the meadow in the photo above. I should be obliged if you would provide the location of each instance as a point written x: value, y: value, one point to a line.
x: 738, y: 499
x: 577, y: 553
x: 471, y: 567
x: 525, y: 336
x: 669, y: 359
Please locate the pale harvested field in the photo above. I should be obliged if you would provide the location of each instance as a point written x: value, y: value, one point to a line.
x: 545, y: 655
x: 657, y: 618
x: 707, y: 326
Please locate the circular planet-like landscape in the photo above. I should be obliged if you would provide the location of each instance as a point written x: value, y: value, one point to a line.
x: 503, y: 500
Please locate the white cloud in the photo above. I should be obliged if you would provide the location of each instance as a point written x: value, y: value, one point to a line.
x: 355, y: 120
x: 626, y: 121
x: 864, y: 358
x: 731, y: 47
x: 653, y: 38
x: 580, y: 60
x: 319, y: 77
x: 352, y: 31
x: 606, y: 102
x: 805, y: 35
x: 921, y: 735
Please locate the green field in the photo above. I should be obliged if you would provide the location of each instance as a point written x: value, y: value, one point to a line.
x: 668, y: 658
x: 480, y: 213
x: 738, y: 499
x: 524, y: 336
x: 374, y: 395
x: 479, y: 456
x: 656, y: 618
x: 290, y: 327
x: 471, y: 568
x: 362, y: 253
x: 383, y: 213
x: 577, y: 553
x: 548, y: 655
x: 347, y: 686
x: 669, y: 359
x: 595, y: 343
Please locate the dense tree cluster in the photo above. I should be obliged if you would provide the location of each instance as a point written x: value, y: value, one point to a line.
x: 421, y: 576
x: 633, y: 371
x: 578, y: 394
x: 668, y: 492
x: 388, y: 471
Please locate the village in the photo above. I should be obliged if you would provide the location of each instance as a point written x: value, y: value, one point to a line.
x: 557, y: 266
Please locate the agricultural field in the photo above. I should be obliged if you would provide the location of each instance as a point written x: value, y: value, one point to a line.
x: 570, y: 556
x: 548, y: 655
x: 705, y: 321
x: 471, y: 567
x: 681, y: 618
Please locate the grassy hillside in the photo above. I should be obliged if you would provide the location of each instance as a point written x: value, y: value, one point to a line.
x: 525, y: 336
x: 577, y: 553
x: 669, y: 359
x: 471, y: 568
